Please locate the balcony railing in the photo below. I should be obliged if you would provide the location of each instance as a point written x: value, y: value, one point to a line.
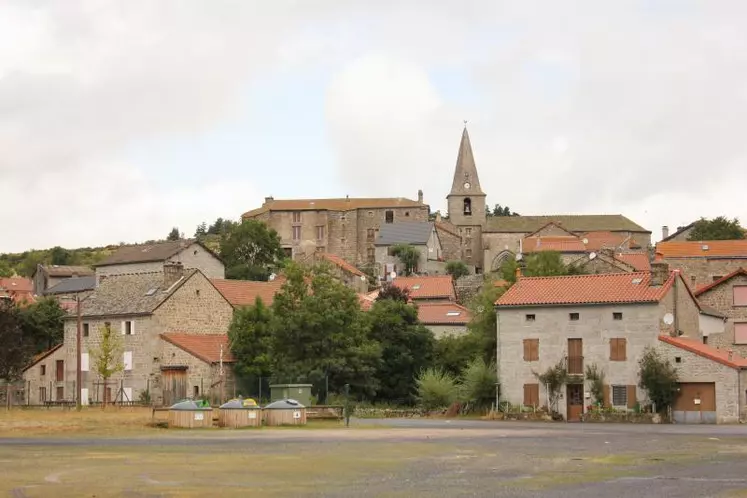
x: 575, y: 365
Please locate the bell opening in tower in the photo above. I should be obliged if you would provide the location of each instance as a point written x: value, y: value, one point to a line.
x: 468, y: 207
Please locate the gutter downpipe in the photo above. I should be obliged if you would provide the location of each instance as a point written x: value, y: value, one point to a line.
x: 497, y: 356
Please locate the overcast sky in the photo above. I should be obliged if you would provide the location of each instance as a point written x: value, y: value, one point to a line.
x: 119, y: 120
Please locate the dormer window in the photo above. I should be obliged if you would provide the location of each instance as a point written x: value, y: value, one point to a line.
x: 468, y: 207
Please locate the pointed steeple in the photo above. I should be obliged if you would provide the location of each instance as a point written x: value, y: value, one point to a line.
x: 466, y: 181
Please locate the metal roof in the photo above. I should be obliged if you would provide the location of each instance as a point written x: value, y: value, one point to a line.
x: 284, y: 404
x: 405, y: 232
x: 74, y: 284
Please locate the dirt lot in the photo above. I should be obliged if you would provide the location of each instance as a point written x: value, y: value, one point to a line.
x: 372, y: 458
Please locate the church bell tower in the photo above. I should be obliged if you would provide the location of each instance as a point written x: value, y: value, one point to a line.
x: 466, y: 203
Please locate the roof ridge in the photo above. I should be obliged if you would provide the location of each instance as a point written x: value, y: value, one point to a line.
x: 588, y: 275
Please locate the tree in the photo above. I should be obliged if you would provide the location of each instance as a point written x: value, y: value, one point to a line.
x: 484, y: 322
x: 250, y: 337
x: 5, y: 270
x: 719, y: 228
x: 595, y: 377
x: 554, y: 378
x: 453, y: 353
x: 456, y: 269
x: 500, y: 211
x: 201, y: 230
x: 251, y: 251
x: 545, y: 264
x: 408, y: 255
x: 436, y: 389
x: 659, y: 378
x: 391, y: 291
x: 42, y: 323
x: 16, y: 349
x: 174, y: 234
x: 107, y: 356
x: 508, y: 269
x: 319, y: 331
x: 406, y: 348
x: 478, y: 386
x: 61, y: 256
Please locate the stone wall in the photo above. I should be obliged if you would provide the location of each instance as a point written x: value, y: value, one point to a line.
x: 195, y: 308
x: 374, y: 219
x: 196, y: 256
x: 468, y: 287
x: 203, y: 379
x: 686, y: 313
x: 440, y: 331
x: 696, y: 368
x: 699, y: 272
x: 494, y: 243
x: 721, y: 298
x: 451, y: 243
x: 48, y: 381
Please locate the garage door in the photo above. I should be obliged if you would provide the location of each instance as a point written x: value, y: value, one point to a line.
x: 696, y: 403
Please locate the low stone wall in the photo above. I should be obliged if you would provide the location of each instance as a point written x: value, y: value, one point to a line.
x: 617, y: 417
x: 322, y: 412
x: 373, y: 412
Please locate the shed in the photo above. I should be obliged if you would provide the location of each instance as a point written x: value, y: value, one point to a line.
x: 299, y: 392
x: 190, y: 414
x: 240, y: 413
x: 285, y: 412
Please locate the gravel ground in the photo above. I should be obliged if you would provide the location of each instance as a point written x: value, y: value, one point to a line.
x: 389, y: 458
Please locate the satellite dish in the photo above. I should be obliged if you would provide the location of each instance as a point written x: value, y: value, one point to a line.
x: 393, y: 274
x: 363, y: 278
x: 592, y: 255
x: 585, y: 241
x: 669, y: 319
x: 518, y: 257
x: 272, y: 277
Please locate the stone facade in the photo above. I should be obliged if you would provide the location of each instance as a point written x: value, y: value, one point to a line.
x: 43, y: 382
x: 700, y: 272
x: 196, y: 307
x: 430, y: 261
x: 451, y: 241
x: 203, y: 379
x: 721, y: 298
x: 441, y: 331
x: 730, y: 401
x: 640, y: 325
x: 192, y: 256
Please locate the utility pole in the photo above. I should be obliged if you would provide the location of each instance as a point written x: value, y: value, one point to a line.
x: 222, y: 377
x: 79, y: 372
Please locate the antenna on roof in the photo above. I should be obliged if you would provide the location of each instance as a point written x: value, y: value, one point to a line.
x: 592, y: 255
x: 585, y: 241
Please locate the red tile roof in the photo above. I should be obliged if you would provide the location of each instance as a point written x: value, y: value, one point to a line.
x: 638, y: 260
x: 17, y: 284
x: 595, y: 241
x: 341, y: 263
x: 346, y: 204
x: 705, y: 288
x: 204, y: 347
x: 443, y: 314
x: 702, y: 249
x: 562, y: 243
x: 245, y: 292
x: 366, y: 301
x: 585, y: 289
x: 430, y: 287
x: 697, y: 347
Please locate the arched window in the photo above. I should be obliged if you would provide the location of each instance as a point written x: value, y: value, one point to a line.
x: 468, y: 207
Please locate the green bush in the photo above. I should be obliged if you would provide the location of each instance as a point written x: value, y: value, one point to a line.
x: 478, y: 384
x: 436, y: 389
x: 659, y: 378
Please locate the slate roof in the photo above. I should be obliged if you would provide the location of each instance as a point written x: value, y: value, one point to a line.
x: 346, y: 204
x: 72, y: 285
x: 66, y: 270
x: 405, y: 232
x: 679, y: 231
x: 443, y: 314
x: 130, y: 294
x: 609, y: 288
x: 702, y: 249
x: 700, y: 349
x: 205, y: 347
x: 245, y: 292
x: 146, y: 253
x: 706, y: 288
x: 573, y: 223
x: 428, y: 287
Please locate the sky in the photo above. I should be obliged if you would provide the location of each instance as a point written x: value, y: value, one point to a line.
x: 122, y: 119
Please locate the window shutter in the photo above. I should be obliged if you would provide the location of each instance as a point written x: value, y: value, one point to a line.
x: 613, y: 349
x: 527, y: 354
x: 132, y: 327
x: 631, y: 397
x: 535, y: 349
x: 127, y: 360
x: 127, y: 393
x: 124, y: 330
x: 84, y: 362
x: 622, y: 349
x: 606, y: 395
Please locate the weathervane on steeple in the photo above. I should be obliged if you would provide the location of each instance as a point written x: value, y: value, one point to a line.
x: 465, y: 123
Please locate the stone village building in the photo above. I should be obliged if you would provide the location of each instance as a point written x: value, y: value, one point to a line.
x: 156, y: 315
x: 607, y: 320
x: 422, y: 235
x: 47, y: 276
x: 703, y: 262
x: 728, y: 295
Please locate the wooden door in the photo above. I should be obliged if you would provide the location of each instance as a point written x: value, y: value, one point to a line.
x: 60, y: 377
x: 174, y: 385
x: 575, y: 357
x: 60, y: 394
x: 575, y: 396
x: 696, y: 403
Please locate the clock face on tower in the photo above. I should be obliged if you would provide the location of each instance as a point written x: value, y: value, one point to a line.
x: 466, y: 185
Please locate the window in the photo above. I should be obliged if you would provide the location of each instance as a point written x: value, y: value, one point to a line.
x: 740, y: 295
x: 197, y: 292
x: 390, y: 251
x: 468, y: 232
x: 531, y: 349
x: 343, y: 241
x: 389, y: 216
x: 60, y: 373
x: 407, y: 213
x: 296, y: 216
x: 296, y: 233
x: 468, y: 207
x: 127, y: 360
x: 692, y: 280
x: 85, y: 330
x: 343, y: 217
x: 370, y: 214
x: 678, y: 359
x: 619, y: 395
x: 195, y: 252
x: 321, y: 249
x: 195, y: 392
x: 468, y: 253
x: 705, y: 339
x: 42, y: 394
x: 84, y: 362
x: 617, y: 316
x: 107, y: 325
x: 371, y: 255
x: 573, y: 316
x: 530, y: 318
x: 370, y: 234
x: 288, y: 252
x: 320, y: 232
x: 60, y: 393
x: 740, y: 333
x: 618, y: 349
x: 531, y: 394
x: 128, y: 327
x: 43, y: 369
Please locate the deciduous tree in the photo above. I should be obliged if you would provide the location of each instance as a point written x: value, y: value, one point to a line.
x: 456, y: 269
x: 659, y: 378
x: 107, y: 356
x: 408, y: 255
x: 719, y: 228
x: 251, y: 251
x: 15, y: 348
x: 483, y: 323
x: 393, y: 292
x: 42, y: 323
x: 250, y: 335
x: 174, y: 234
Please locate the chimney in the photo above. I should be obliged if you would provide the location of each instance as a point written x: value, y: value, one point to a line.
x: 172, y: 272
x: 518, y: 272
x: 268, y: 200
x: 664, y: 232
x: 420, y: 196
x: 438, y: 216
x: 659, y: 273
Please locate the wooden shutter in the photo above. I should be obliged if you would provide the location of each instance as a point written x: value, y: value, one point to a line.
x: 531, y: 394
x: 535, y: 349
x: 622, y: 353
x: 527, y: 354
x: 613, y: 349
x: 631, y: 397
x: 606, y: 395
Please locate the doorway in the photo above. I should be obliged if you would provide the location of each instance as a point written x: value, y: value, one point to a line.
x: 575, y: 393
